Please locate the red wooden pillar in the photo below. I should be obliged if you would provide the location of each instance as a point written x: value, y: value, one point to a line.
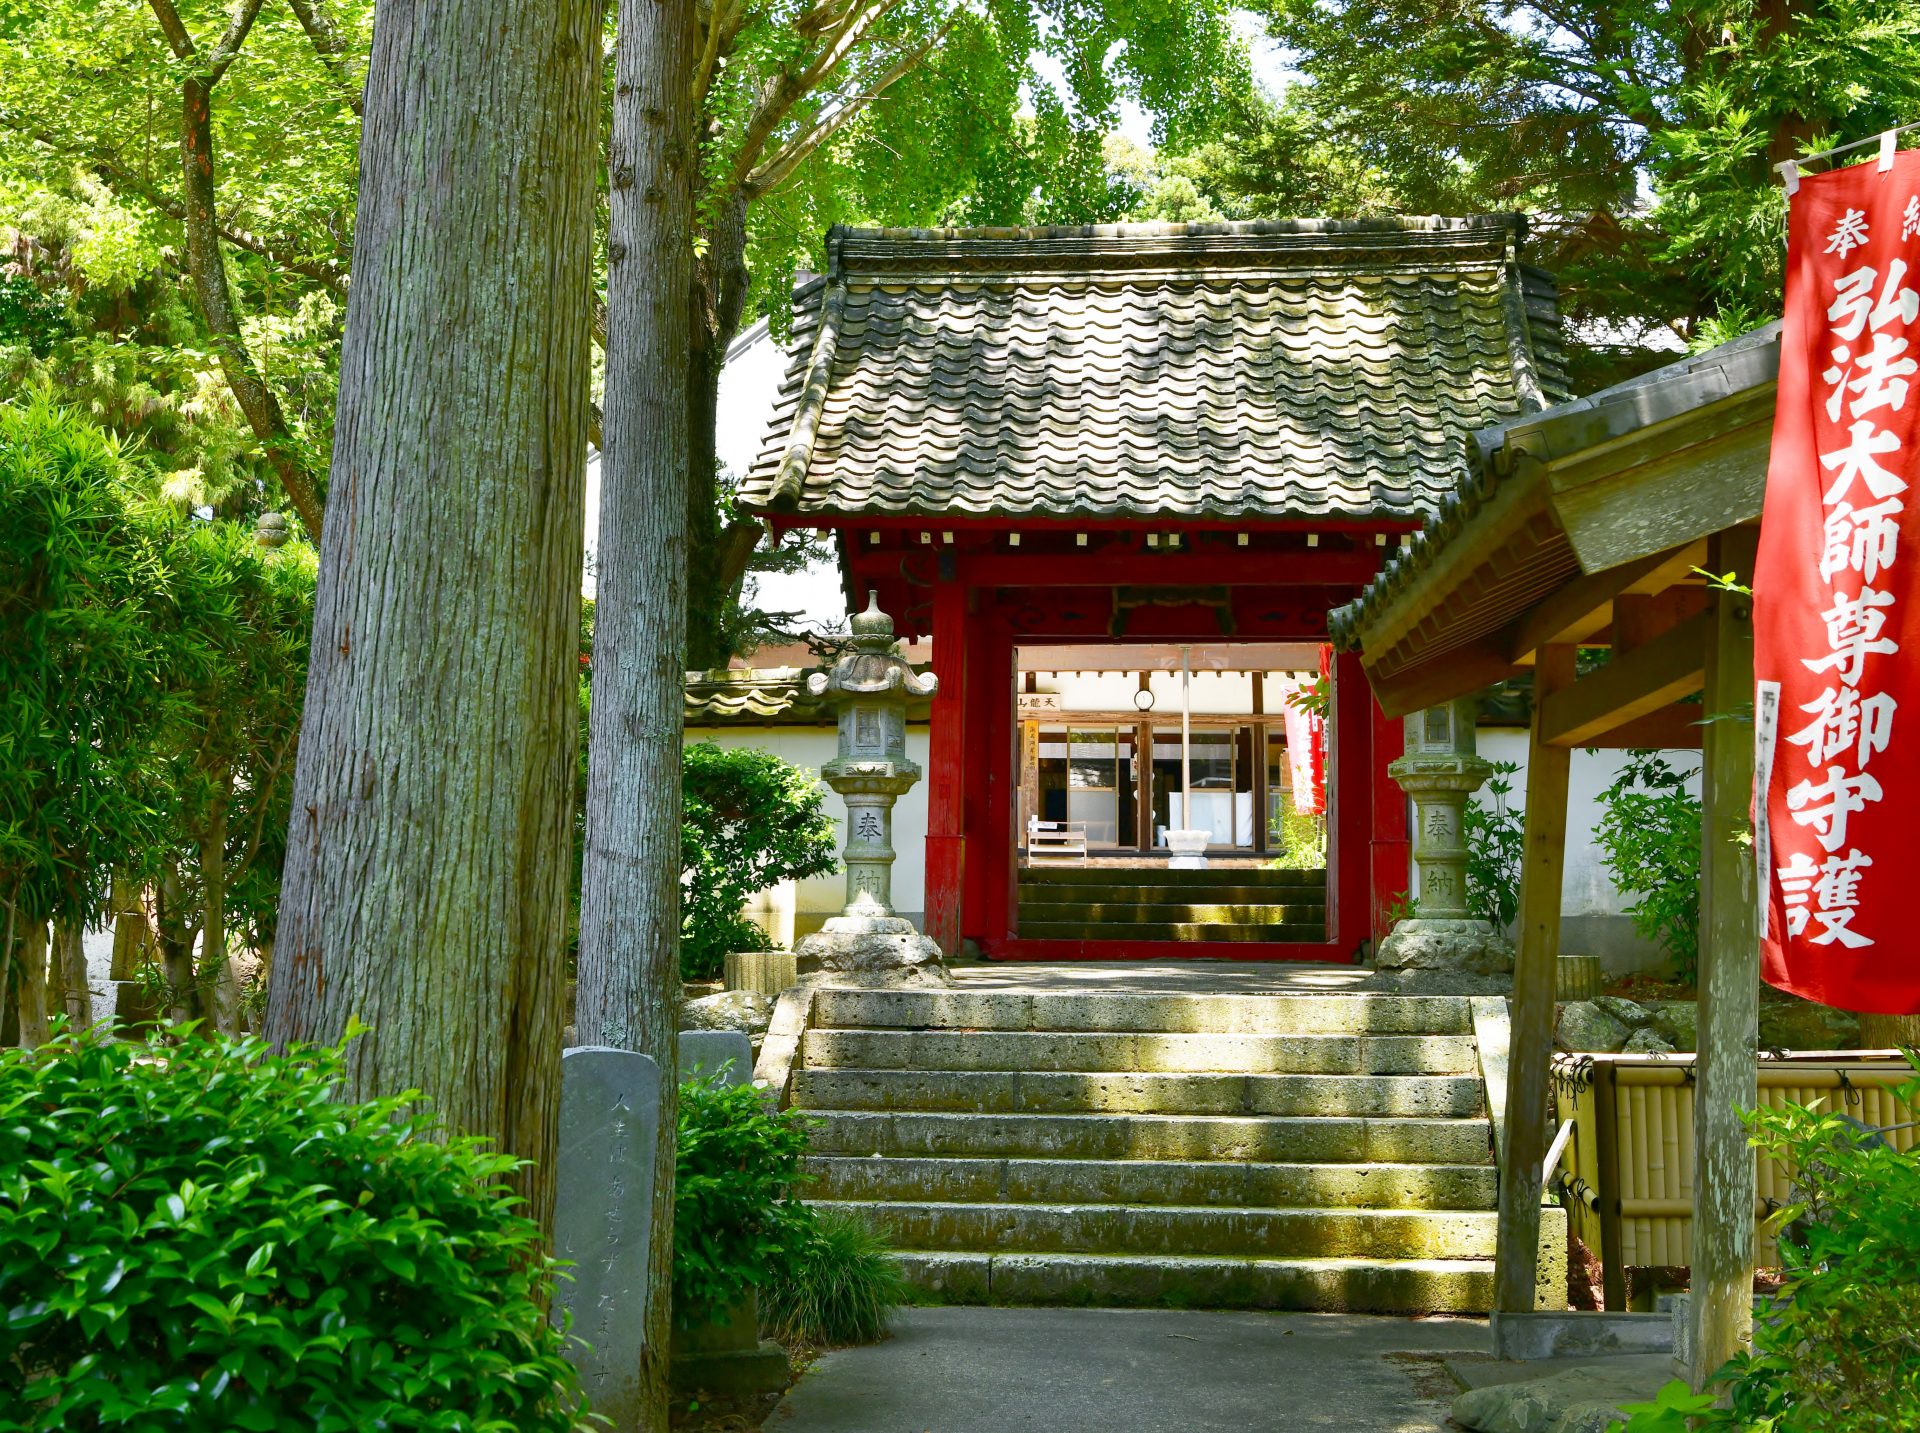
x: 1392, y: 848
x: 1350, y: 805
x: 991, y: 776
x: 946, y: 768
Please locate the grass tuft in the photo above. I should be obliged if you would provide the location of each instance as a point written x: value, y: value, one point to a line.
x: 840, y: 1287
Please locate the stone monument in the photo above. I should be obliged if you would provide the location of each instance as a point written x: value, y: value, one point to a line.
x: 869, y: 688
x: 1440, y: 769
x: 603, y: 1219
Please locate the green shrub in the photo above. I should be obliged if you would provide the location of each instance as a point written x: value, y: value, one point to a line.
x: 1838, y: 1352
x: 202, y: 1238
x: 735, y: 1217
x: 1496, y: 835
x: 841, y: 1285
x: 748, y: 821
x: 1649, y: 838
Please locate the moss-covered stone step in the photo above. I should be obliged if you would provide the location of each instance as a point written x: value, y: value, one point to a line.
x: 1121, y: 893
x: 1184, y: 1229
x: 1181, y: 933
x: 1397, y: 1286
x: 1157, y: 1012
x: 1270, y: 1139
x: 1142, y: 1181
x: 1147, y: 1051
x: 1167, y: 878
x: 1083, y: 1092
x: 1131, y: 912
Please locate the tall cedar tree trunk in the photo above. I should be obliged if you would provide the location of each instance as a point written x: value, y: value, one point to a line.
x: 425, y: 888
x: 721, y: 554
x: 629, y: 954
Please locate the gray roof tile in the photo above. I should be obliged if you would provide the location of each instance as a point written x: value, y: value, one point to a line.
x: 1308, y: 368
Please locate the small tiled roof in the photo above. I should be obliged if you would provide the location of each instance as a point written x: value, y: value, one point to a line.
x: 1745, y: 364
x: 1277, y: 369
x: 773, y: 696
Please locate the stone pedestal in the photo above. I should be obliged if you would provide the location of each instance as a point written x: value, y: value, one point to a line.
x: 869, y: 950
x: 1468, y: 947
x: 727, y: 1357
x: 1189, y: 850
x: 867, y: 944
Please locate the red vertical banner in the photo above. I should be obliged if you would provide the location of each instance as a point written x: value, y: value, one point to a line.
x: 1836, y: 606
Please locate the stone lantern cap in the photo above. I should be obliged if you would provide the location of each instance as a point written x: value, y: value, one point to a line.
x: 873, y: 667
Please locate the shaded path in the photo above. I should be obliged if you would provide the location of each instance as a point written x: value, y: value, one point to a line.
x: 1008, y: 1370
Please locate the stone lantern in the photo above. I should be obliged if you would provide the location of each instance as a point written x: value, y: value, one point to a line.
x: 868, y: 689
x: 1439, y: 771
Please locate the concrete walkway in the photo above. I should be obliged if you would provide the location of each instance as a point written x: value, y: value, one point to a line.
x: 1008, y: 1370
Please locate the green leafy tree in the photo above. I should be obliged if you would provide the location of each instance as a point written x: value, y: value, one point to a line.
x: 1641, y: 135
x: 1649, y: 839
x: 83, y: 684
x: 748, y: 821
x: 203, y: 159
x: 1496, y: 835
x: 238, y: 616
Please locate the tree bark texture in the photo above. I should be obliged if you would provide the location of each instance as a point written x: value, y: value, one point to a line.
x: 69, y: 975
x: 132, y: 932
x: 629, y: 951
x: 1889, y: 1032
x: 719, y: 299
x: 425, y: 887
x: 1720, y: 1304
x: 179, y: 928
x: 30, y: 984
x: 216, y: 964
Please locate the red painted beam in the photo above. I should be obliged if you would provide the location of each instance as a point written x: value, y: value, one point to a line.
x: 1225, y: 567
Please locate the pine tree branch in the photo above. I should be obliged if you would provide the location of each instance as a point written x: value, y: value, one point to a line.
x: 324, y: 36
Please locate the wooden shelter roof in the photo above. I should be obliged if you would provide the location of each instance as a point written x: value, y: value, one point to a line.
x: 1565, y: 514
x: 1299, y: 369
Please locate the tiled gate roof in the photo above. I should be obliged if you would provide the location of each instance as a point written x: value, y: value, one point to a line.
x: 1276, y: 369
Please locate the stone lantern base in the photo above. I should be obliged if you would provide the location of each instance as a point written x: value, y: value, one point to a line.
x: 1465, y: 947
x: 869, y: 950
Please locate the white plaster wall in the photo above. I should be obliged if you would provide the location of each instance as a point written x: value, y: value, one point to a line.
x: 797, y: 908
x: 1592, y: 917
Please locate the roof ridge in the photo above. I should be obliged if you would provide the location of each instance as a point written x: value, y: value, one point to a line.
x: 1509, y: 220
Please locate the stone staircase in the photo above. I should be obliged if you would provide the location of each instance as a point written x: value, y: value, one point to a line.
x: 1326, y: 1152
x: 1156, y: 903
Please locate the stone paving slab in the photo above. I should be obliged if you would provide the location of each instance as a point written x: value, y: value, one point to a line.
x: 1001, y: 1370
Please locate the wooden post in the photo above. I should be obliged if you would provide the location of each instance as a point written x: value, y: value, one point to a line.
x: 1721, y: 1303
x: 1543, y: 863
x: 1613, y: 1247
x: 946, y: 768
